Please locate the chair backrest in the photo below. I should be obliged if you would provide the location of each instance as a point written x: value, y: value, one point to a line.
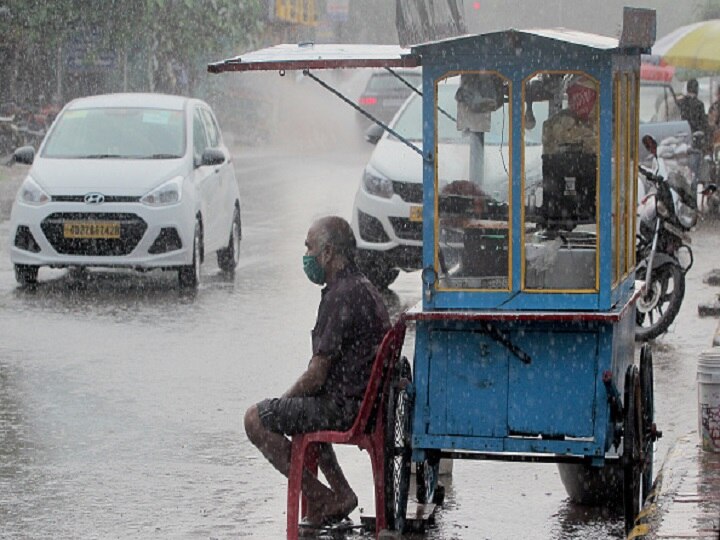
x: 385, y: 358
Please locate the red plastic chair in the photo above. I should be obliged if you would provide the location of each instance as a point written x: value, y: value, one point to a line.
x: 366, y: 436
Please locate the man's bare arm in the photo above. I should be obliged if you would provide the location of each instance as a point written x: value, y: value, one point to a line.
x: 310, y: 382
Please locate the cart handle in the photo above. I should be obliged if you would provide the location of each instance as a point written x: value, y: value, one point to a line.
x: 498, y: 336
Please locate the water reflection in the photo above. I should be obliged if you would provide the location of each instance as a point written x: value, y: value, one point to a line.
x: 13, y: 434
x: 122, y: 295
x: 588, y: 522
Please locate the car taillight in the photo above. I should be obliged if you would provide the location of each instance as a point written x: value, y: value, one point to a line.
x: 367, y: 100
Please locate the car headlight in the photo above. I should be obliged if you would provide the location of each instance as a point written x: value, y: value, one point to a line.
x: 377, y: 185
x: 31, y: 193
x: 168, y: 193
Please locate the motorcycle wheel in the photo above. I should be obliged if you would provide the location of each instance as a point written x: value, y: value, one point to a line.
x: 657, y: 309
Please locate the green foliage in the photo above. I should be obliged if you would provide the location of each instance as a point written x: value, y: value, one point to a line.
x: 151, y: 41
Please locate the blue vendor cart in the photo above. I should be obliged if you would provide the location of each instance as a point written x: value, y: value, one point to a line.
x: 524, y: 346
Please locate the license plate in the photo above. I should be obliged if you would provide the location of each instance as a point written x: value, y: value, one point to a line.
x: 91, y: 229
x: 416, y: 213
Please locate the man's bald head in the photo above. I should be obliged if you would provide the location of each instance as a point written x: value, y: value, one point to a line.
x: 336, y: 232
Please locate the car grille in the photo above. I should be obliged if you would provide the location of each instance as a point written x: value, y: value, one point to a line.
x: 409, y: 192
x: 107, y: 198
x: 25, y: 240
x: 167, y: 240
x: 132, y: 228
x: 371, y: 230
x: 406, y: 229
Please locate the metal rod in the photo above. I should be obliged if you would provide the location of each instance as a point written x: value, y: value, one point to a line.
x: 525, y: 458
x: 398, y: 77
x: 418, y: 92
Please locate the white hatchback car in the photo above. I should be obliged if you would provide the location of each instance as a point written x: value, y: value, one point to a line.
x: 128, y: 180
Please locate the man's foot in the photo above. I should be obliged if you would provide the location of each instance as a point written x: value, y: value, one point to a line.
x: 331, y: 512
x: 305, y: 530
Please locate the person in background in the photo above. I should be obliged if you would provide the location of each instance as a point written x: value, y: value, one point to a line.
x: 693, y: 111
x: 714, y: 118
x: 351, y: 322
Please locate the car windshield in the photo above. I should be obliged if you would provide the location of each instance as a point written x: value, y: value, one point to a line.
x: 409, y: 122
x: 119, y: 133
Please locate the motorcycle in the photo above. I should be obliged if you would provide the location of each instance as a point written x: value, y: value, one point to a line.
x: 10, y: 133
x: 663, y: 250
x: 711, y: 204
x: 23, y: 127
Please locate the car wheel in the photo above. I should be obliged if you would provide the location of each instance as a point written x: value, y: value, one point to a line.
x: 189, y: 276
x: 26, y: 274
x: 229, y: 257
x: 377, y: 269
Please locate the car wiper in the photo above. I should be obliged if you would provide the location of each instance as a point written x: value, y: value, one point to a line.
x: 162, y: 156
x: 100, y: 156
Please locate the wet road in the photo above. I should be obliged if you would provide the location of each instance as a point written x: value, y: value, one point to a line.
x: 121, y: 398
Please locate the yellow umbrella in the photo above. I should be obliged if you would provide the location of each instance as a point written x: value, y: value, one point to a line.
x: 695, y: 46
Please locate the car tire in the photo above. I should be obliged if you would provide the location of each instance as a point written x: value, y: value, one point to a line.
x: 377, y: 268
x: 26, y: 274
x: 189, y: 276
x: 229, y: 257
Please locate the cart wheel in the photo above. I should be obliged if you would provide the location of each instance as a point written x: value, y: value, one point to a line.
x: 398, y: 422
x: 647, y: 389
x: 427, y: 473
x: 632, y: 461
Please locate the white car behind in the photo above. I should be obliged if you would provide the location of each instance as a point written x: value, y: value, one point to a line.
x: 128, y: 180
x: 387, y: 211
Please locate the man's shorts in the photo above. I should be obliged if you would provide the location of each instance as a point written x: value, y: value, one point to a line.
x: 304, y: 414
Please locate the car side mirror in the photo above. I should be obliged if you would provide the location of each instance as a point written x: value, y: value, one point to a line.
x: 212, y: 156
x: 373, y: 133
x: 24, y: 155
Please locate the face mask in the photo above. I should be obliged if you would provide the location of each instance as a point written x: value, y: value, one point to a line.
x: 313, y: 270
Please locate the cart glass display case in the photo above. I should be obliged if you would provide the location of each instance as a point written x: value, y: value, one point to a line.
x: 473, y: 181
x: 527, y: 172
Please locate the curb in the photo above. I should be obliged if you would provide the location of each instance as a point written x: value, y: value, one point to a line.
x: 648, y: 517
x: 666, y: 483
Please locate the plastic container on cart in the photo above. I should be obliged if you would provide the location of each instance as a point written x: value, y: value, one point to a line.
x: 708, y: 379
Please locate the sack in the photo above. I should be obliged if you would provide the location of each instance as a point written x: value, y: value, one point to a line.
x: 480, y: 93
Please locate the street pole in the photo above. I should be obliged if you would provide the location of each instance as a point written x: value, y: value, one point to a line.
x: 58, y: 81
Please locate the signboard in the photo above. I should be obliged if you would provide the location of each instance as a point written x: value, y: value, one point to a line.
x: 294, y: 11
x: 86, y: 52
x: 639, y: 28
x: 420, y: 21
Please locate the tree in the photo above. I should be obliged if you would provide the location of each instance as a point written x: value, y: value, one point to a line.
x: 74, y: 47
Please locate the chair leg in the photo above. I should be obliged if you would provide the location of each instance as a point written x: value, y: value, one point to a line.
x: 310, y: 463
x: 378, y: 469
x: 295, y: 486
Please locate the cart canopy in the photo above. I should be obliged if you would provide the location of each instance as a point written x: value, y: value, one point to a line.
x: 318, y: 56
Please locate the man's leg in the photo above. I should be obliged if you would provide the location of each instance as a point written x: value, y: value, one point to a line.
x: 338, y: 501
x: 345, y: 499
x: 277, y: 449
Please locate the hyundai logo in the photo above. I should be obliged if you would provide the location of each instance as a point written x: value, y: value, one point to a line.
x: 94, y: 198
